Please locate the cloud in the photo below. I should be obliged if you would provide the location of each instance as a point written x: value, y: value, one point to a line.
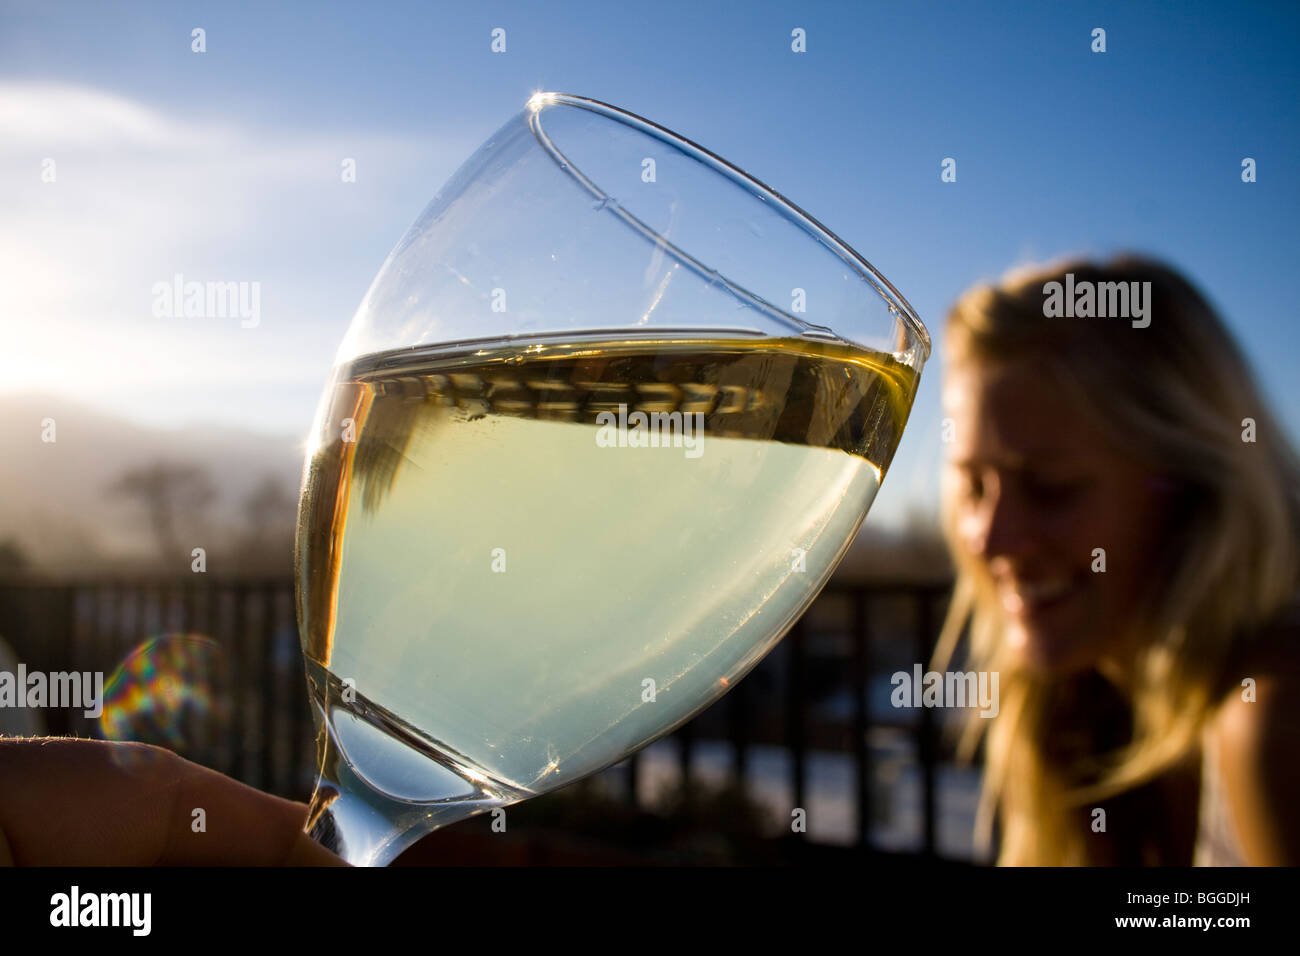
x: 53, y: 116
x: 140, y: 194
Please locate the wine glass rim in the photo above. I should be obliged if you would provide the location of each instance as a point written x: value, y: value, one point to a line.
x: 898, y: 304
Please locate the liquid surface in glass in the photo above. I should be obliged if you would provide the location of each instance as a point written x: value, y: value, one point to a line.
x: 519, y: 562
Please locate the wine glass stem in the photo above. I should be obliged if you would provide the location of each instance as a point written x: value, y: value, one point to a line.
x: 367, y: 828
x: 361, y: 817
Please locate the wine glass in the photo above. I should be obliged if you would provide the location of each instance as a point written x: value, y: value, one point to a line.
x: 603, y: 426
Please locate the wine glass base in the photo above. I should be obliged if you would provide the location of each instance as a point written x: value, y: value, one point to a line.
x: 407, y: 787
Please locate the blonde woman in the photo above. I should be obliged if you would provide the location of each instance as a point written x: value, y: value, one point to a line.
x: 1124, y: 515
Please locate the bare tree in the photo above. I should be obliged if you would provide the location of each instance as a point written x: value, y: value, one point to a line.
x: 270, y: 510
x: 270, y: 505
x: 12, y: 556
x: 171, y: 493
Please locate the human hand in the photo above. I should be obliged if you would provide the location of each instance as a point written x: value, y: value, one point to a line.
x: 74, y: 802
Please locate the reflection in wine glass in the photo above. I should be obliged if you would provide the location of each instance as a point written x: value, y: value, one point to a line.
x: 604, y: 424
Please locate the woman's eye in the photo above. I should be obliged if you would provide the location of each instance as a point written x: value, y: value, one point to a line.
x: 972, y: 484
x: 1052, y: 492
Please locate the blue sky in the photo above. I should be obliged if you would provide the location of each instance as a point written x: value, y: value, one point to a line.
x: 226, y: 164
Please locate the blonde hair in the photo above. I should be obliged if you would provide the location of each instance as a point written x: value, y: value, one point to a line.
x: 1173, y: 395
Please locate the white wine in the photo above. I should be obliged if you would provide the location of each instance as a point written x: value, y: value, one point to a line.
x: 507, y: 571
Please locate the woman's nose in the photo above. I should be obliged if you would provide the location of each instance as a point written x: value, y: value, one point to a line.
x: 1001, y: 525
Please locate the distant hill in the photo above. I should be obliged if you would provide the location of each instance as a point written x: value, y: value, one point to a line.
x: 56, y: 503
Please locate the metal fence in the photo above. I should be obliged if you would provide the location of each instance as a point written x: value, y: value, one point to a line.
x: 825, y: 689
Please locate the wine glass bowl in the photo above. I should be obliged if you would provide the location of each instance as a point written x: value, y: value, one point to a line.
x: 601, y: 429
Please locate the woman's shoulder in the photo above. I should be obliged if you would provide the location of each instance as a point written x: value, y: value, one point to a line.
x: 1254, y: 736
x: 1263, y: 676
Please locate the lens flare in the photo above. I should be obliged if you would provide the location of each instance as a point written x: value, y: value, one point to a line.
x: 165, y: 692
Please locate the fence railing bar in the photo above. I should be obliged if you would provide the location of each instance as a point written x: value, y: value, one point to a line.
x: 303, y: 756
x: 795, y: 707
x: 240, y: 676
x: 738, y: 727
x: 686, y: 748
x: 267, y: 698
x: 634, y: 779
x: 67, y: 616
x: 926, y: 729
x: 861, y: 750
x: 224, y: 625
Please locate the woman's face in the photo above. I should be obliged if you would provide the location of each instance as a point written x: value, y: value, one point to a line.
x: 1035, y: 490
